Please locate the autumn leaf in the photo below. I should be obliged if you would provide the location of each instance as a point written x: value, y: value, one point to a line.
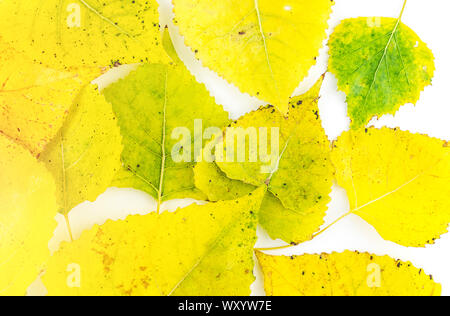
x: 303, y: 153
x: 28, y: 209
x: 264, y: 47
x: 85, y: 156
x: 80, y: 33
x: 299, y: 182
x: 157, y: 107
x: 216, y: 185
x: 397, y: 182
x: 200, y: 250
x: 344, y: 274
x: 34, y: 100
x: 381, y: 64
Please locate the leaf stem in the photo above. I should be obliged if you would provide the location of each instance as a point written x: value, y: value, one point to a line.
x: 313, y: 237
x: 64, y: 179
x: 69, y: 229
x: 275, y: 248
x: 403, y: 10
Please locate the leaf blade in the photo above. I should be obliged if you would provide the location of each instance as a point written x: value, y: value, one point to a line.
x: 393, y: 65
x: 61, y: 34
x: 161, y: 100
x: 344, y: 274
x: 35, y: 100
x: 269, y: 46
x: 285, y: 212
x: 388, y: 170
x: 85, y: 156
x: 200, y: 250
x: 27, y: 217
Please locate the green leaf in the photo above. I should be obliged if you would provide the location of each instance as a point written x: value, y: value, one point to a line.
x: 199, y: 250
x: 299, y: 183
x: 85, y: 156
x: 264, y: 47
x: 84, y: 33
x: 151, y: 105
x: 379, y: 66
x: 215, y: 184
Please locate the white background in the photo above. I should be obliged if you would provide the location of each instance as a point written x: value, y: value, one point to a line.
x: 429, y: 19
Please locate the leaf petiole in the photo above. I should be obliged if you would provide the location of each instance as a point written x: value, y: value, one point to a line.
x: 69, y: 229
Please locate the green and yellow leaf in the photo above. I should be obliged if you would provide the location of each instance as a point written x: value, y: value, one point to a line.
x: 344, y: 274
x: 85, y: 156
x: 397, y: 182
x: 200, y: 250
x: 264, y: 47
x: 299, y: 182
x: 381, y: 64
x: 28, y: 209
x: 153, y: 105
x: 80, y: 33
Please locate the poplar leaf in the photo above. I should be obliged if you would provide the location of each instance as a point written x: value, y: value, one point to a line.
x: 200, y: 250
x: 264, y: 47
x: 299, y: 181
x: 216, y: 185
x: 157, y: 107
x: 397, y: 182
x: 85, y: 155
x: 344, y: 274
x: 381, y: 64
x: 34, y: 100
x: 292, y: 226
x: 81, y: 33
x: 304, y: 172
x: 28, y: 208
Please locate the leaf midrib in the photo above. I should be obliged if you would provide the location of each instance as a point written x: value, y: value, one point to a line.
x: 266, y: 50
x: 104, y: 18
x: 213, y: 246
x: 388, y: 44
x: 397, y: 189
x: 163, y: 145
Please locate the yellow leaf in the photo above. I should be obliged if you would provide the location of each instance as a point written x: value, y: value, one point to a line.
x: 28, y: 208
x: 80, y: 33
x: 344, y: 274
x: 299, y: 181
x: 200, y: 250
x: 397, y: 182
x: 85, y: 156
x: 304, y: 174
x: 34, y: 100
x: 264, y: 47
